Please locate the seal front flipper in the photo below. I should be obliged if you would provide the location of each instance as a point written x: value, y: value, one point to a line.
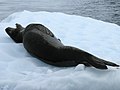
x: 19, y: 27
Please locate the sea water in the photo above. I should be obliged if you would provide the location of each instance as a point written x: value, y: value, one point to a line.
x: 106, y: 10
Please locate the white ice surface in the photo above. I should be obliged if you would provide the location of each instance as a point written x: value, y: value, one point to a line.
x: 20, y: 71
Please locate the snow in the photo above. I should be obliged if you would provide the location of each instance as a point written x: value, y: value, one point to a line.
x: 21, y: 71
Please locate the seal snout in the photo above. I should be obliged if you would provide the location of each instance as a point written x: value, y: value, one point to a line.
x: 8, y: 30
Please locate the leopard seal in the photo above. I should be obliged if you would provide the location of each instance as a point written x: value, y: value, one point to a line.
x: 40, y: 42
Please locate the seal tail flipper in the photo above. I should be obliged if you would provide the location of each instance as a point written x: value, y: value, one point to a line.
x: 96, y: 63
x: 109, y: 63
x: 100, y: 63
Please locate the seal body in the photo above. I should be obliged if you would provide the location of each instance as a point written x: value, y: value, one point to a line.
x: 40, y: 42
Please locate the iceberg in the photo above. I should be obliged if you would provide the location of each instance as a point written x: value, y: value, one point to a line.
x: 20, y: 71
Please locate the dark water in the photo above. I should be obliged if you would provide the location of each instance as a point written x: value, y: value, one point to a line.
x: 106, y: 10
